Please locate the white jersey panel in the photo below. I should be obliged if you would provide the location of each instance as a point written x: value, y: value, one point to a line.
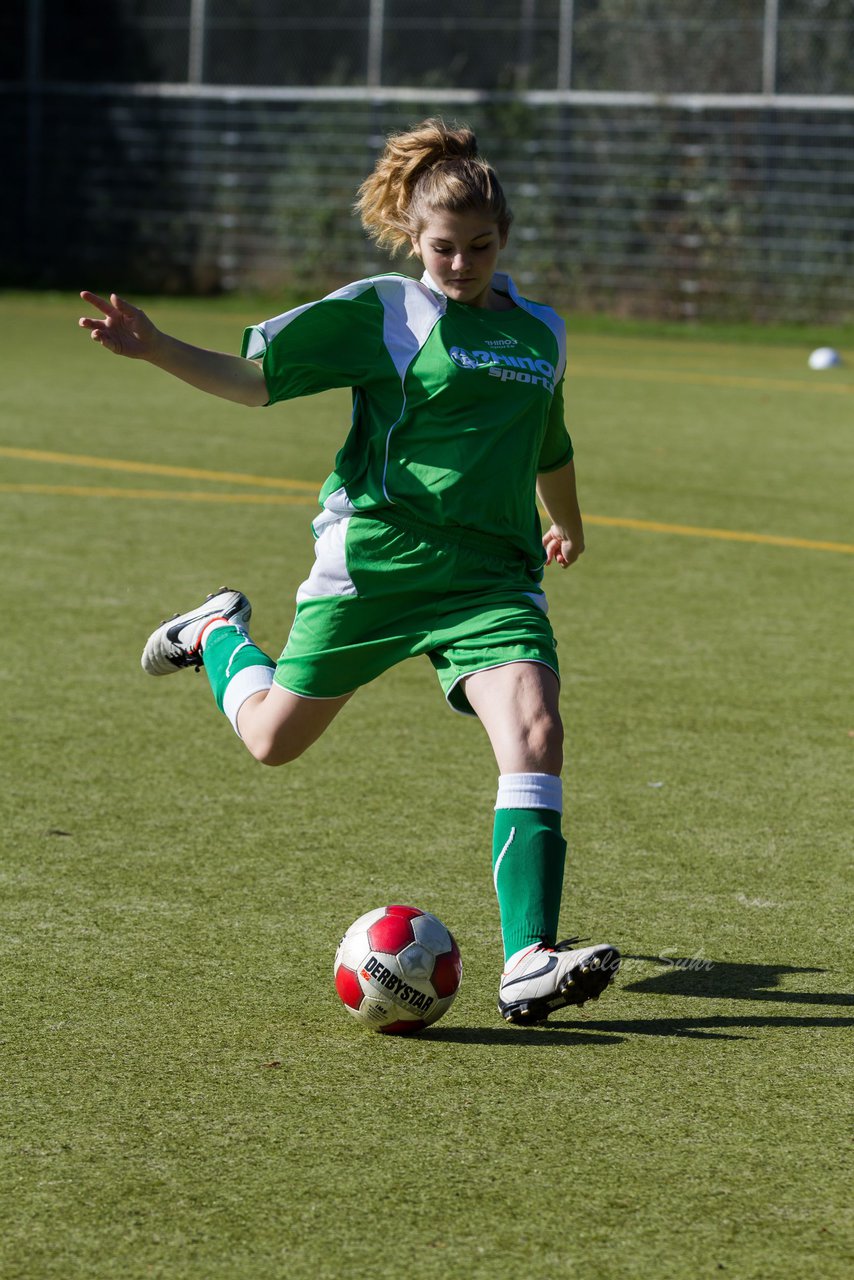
x: 261, y: 335
x: 410, y: 313
x: 549, y: 317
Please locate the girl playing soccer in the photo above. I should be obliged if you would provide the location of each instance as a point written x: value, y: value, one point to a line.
x: 429, y: 540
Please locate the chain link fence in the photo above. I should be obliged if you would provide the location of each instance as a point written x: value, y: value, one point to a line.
x: 666, y: 159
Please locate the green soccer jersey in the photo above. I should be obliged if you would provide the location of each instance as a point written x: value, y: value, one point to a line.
x: 455, y: 408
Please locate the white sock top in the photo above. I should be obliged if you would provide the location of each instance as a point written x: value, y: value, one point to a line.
x: 530, y: 791
x: 241, y: 686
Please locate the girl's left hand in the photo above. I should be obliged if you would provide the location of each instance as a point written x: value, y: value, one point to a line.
x: 562, y: 547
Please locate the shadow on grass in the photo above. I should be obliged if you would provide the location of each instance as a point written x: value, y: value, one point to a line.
x: 698, y: 978
x: 718, y: 980
x: 550, y: 1035
x: 707, y: 979
x: 707, y: 1028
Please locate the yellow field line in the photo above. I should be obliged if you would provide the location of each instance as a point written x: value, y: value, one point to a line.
x: 156, y: 469
x: 159, y: 495
x: 282, y: 499
x: 706, y: 379
x: 725, y: 535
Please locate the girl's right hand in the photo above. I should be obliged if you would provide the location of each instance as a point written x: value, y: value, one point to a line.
x: 125, y: 330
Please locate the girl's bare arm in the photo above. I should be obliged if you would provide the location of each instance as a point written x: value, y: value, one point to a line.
x: 127, y: 331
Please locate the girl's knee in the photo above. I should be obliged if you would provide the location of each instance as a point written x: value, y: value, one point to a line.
x: 273, y: 751
x: 282, y: 726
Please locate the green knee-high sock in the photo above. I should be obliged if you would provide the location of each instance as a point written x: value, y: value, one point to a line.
x: 528, y: 858
x: 235, y: 667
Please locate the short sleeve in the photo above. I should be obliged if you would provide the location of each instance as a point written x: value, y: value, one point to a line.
x: 336, y: 342
x: 556, y: 449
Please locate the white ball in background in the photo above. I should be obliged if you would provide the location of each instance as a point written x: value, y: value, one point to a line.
x: 824, y: 358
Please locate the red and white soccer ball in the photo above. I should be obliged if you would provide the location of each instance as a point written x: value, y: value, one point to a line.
x: 397, y: 969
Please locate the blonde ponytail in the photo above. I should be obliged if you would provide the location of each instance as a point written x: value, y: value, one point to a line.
x: 429, y: 167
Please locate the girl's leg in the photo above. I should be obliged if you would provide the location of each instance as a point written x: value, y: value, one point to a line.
x: 278, y: 726
x: 518, y: 707
x: 275, y: 725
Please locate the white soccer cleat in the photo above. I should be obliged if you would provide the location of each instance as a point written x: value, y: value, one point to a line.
x: 177, y: 642
x: 541, y: 979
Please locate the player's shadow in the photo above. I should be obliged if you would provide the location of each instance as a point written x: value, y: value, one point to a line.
x: 719, y: 980
x: 691, y: 977
x: 549, y: 1035
x: 699, y: 978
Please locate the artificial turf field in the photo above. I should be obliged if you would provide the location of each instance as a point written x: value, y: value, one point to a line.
x: 183, y: 1094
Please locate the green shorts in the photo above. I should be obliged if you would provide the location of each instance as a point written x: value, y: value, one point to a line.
x: 380, y: 592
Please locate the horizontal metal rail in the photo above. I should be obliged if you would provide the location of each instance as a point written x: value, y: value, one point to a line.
x: 380, y: 95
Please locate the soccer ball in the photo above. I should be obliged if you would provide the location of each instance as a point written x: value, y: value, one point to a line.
x: 397, y: 969
x: 824, y: 358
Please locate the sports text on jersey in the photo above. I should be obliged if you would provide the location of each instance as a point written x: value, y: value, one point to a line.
x: 506, y: 367
x: 376, y: 971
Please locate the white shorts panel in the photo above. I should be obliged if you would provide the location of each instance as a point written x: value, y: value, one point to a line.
x: 329, y: 574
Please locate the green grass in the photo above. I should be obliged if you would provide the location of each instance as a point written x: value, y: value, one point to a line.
x: 184, y: 1097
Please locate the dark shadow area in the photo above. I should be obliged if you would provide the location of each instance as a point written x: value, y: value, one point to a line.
x: 97, y: 180
x: 586, y: 1032
x: 562, y: 1035
x: 709, y: 1028
x: 721, y: 980
x: 550, y: 1035
x: 692, y: 977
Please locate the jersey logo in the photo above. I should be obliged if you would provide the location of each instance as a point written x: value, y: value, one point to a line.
x: 538, y: 373
x: 463, y: 358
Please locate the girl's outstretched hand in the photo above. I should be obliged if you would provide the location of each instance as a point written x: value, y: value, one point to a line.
x: 124, y: 329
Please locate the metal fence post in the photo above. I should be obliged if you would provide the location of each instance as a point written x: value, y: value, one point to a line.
x: 376, y: 30
x: 770, y: 26
x: 196, y: 56
x: 197, y: 247
x: 527, y: 14
x: 564, y: 44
